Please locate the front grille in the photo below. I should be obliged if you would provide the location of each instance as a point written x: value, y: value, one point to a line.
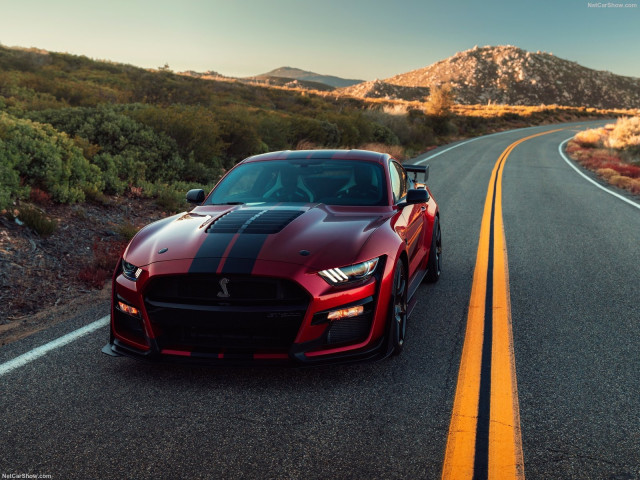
x: 211, y: 289
x: 260, y: 314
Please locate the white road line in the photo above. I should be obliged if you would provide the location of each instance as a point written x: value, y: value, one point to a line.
x: 465, y: 142
x: 570, y: 163
x: 38, y: 352
x: 445, y: 151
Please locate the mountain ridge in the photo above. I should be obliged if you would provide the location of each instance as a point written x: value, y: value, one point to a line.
x: 307, y: 76
x: 510, y: 75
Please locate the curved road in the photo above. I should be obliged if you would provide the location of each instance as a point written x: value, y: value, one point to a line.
x: 573, y: 279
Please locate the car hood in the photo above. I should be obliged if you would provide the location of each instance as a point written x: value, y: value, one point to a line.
x: 318, y: 236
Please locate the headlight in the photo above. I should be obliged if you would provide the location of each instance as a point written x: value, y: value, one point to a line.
x: 130, y: 271
x: 342, y: 275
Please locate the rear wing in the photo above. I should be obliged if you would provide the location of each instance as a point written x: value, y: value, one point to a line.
x: 418, y: 169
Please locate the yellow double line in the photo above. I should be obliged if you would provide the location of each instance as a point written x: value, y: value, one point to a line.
x: 484, y: 435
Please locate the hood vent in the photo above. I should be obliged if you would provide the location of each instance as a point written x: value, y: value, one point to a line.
x: 254, y: 221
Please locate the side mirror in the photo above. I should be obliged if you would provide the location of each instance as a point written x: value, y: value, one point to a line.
x: 418, y: 195
x: 195, y: 196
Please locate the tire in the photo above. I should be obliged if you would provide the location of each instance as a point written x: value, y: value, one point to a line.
x: 398, y: 309
x: 434, y: 265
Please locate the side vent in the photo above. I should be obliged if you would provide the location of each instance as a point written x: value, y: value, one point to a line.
x: 254, y: 221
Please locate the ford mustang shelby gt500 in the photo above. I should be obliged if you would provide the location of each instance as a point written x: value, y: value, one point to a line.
x: 299, y: 256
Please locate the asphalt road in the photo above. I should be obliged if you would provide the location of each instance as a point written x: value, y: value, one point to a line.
x: 573, y: 261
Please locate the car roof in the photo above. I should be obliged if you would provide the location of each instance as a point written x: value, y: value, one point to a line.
x: 321, y: 154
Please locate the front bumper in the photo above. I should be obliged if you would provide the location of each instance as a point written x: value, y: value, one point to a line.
x: 290, y: 330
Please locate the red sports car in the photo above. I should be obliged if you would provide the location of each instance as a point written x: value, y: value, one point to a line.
x: 302, y: 257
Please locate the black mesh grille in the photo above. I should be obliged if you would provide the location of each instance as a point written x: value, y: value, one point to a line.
x: 254, y: 221
x: 207, y: 289
x: 224, y: 329
x: 349, y: 329
x: 259, y: 313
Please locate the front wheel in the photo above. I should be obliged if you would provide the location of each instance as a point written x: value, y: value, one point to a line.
x: 398, y: 310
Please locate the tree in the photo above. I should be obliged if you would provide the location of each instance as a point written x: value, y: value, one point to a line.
x: 440, y: 101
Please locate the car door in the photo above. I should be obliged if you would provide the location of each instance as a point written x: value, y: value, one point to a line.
x: 410, y: 226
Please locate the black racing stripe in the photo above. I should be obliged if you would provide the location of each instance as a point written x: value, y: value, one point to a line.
x: 210, y: 252
x: 481, y: 458
x: 244, y: 253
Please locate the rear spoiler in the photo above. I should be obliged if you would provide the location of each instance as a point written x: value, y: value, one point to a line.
x: 416, y: 169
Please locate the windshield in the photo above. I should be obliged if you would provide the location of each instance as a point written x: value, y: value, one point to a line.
x: 332, y: 182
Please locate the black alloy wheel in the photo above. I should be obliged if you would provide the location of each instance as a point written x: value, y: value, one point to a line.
x: 398, y: 317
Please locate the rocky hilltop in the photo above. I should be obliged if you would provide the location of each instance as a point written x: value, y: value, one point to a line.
x: 383, y: 89
x: 510, y: 75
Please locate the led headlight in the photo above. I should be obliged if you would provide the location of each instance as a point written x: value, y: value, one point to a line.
x: 130, y: 271
x: 342, y: 275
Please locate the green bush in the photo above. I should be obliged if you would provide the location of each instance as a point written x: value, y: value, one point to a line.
x: 171, y: 200
x: 138, y: 151
x: 37, y: 220
x: 44, y: 158
x: 196, y: 130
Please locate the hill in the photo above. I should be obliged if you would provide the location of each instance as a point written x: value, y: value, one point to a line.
x: 305, y: 76
x: 382, y: 89
x: 512, y: 76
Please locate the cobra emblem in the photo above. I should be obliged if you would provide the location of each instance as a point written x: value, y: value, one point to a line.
x: 224, y: 293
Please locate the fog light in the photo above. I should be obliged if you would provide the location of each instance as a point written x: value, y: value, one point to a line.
x: 128, y: 309
x: 346, y: 313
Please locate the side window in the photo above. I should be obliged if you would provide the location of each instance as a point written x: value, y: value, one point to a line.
x: 398, y: 181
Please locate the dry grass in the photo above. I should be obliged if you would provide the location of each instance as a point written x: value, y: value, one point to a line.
x: 625, y: 135
x: 396, y: 151
x: 613, y: 152
x: 307, y: 145
x: 589, y: 138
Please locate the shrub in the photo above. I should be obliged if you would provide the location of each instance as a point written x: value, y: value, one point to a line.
x: 127, y: 230
x: 625, y: 135
x: 588, y: 138
x: 440, y: 101
x: 106, y: 254
x: 606, y: 173
x: 620, y: 181
x: 10, y: 188
x: 396, y: 151
x: 137, y: 150
x: 39, y: 197
x: 196, y: 130
x: 46, y: 159
x: 37, y: 221
x: 171, y: 200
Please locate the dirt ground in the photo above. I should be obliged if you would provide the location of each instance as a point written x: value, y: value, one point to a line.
x: 44, y: 280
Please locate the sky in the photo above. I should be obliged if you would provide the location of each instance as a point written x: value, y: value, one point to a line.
x: 357, y: 39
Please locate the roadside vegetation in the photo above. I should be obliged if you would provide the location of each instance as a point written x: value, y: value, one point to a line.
x: 79, y: 129
x: 90, y: 151
x: 613, y: 152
